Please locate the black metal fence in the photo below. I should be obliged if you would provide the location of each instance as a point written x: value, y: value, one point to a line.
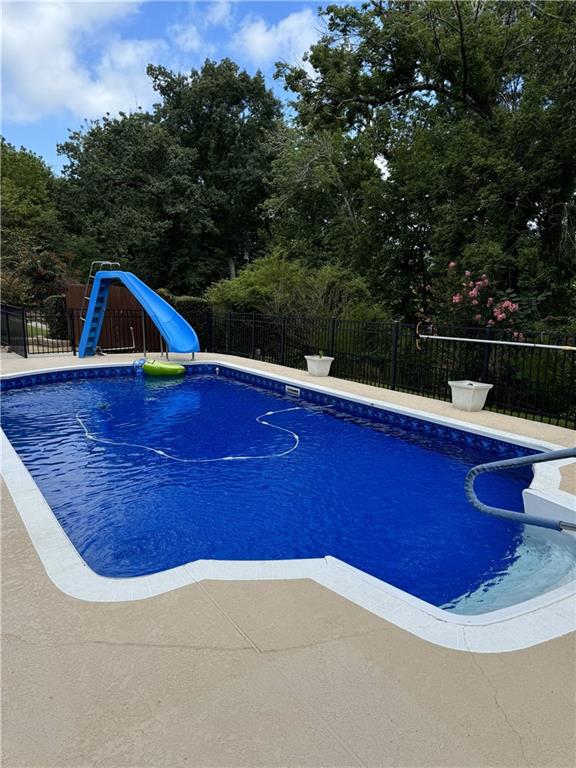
x: 13, y: 328
x: 536, y: 382
x: 30, y: 331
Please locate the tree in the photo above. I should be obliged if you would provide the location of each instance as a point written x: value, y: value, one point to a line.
x: 320, y: 197
x: 176, y: 193
x: 229, y: 118
x: 33, y: 255
x: 132, y: 194
x: 473, y: 106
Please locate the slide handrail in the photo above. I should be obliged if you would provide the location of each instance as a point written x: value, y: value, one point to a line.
x: 522, y: 461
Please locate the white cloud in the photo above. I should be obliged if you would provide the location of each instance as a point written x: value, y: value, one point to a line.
x: 219, y: 13
x: 43, y: 69
x: 288, y: 40
x: 187, y: 37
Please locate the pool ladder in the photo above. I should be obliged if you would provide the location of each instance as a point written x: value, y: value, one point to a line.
x: 522, y: 461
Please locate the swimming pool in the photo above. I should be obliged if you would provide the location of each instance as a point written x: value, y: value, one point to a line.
x: 149, y: 475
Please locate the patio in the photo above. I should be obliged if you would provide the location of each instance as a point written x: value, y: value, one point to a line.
x: 263, y: 673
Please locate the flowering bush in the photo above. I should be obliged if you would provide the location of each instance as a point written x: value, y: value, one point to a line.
x: 472, y: 300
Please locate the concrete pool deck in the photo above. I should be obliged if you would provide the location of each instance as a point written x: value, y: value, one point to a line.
x: 282, y: 673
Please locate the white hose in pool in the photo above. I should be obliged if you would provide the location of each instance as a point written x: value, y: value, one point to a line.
x: 105, y: 441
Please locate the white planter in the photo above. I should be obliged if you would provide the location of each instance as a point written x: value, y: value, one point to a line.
x: 469, y: 395
x: 318, y: 366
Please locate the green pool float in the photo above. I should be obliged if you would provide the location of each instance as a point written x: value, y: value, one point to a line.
x: 162, y: 368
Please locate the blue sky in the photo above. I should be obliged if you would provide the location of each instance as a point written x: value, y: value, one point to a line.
x: 63, y: 62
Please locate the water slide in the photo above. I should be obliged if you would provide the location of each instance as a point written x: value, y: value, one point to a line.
x: 176, y: 332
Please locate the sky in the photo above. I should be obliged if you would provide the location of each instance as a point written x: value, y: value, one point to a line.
x: 65, y: 62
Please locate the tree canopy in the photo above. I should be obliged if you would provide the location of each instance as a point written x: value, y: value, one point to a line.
x: 472, y: 104
x: 176, y: 192
x: 33, y: 252
x: 429, y: 145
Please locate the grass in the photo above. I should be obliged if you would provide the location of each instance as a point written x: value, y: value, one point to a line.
x: 36, y: 330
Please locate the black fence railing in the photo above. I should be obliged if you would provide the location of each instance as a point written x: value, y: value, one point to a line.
x: 13, y: 328
x: 29, y: 331
x: 535, y: 382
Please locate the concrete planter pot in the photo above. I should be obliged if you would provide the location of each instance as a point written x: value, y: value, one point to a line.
x: 469, y: 395
x: 318, y: 366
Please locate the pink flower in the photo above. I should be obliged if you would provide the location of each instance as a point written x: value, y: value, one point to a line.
x: 485, y: 277
x: 490, y: 322
x: 477, y: 318
x: 473, y: 293
x: 456, y: 299
x: 452, y: 265
x: 475, y: 302
x: 490, y: 302
x: 467, y: 273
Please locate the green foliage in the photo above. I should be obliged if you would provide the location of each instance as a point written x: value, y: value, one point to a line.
x: 131, y: 195
x: 318, y: 206
x: 176, y: 193
x: 33, y: 263
x: 425, y: 133
x: 28, y: 277
x: 277, y: 286
x: 185, y: 304
x: 29, y: 215
x: 473, y: 107
x: 55, y: 314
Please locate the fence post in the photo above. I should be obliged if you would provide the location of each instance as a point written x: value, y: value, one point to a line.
x: 394, y: 354
x: 72, y: 330
x: 283, y: 341
x: 228, y: 332
x: 486, y: 358
x: 253, y: 340
x: 332, y: 337
x: 143, y: 314
x: 24, y: 332
x: 7, y: 326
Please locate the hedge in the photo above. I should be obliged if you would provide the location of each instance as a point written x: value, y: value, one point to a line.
x: 55, y: 314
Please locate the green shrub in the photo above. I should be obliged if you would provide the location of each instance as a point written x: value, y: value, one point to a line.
x: 55, y: 313
x: 274, y: 285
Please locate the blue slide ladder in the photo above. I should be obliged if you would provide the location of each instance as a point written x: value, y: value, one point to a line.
x: 174, y: 329
x: 522, y: 461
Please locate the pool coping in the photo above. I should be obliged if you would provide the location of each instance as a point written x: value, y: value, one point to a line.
x: 531, y: 622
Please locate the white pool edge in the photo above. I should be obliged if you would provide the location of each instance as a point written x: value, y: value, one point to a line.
x: 529, y: 623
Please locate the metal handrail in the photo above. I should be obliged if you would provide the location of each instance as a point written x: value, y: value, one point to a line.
x: 86, y: 298
x: 518, y: 517
x: 499, y: 342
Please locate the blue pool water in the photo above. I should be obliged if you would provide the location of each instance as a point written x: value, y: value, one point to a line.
x: 146, y: 474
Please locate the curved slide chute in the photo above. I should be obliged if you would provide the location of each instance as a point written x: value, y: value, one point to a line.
x: 176, y: 332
